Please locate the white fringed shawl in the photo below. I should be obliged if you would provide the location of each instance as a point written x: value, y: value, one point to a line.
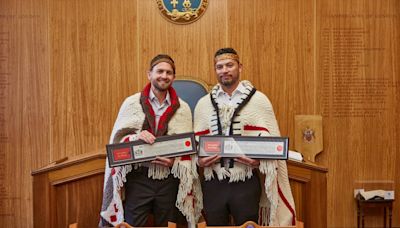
x: 276, y: 204
x: 129, y: 122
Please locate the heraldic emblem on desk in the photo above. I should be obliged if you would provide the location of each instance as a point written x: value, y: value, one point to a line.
x: 182, y: 11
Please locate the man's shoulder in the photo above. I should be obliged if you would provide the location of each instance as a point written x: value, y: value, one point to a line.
x: 131, y: 101
x: 203, y: 106
x: 203, y: 99
x: 260, y: 98
x: 260, y: 95
x: 183, y: 104
x: 207, y: 96
x: 132, y: 97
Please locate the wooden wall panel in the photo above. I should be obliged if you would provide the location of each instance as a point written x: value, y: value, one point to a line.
x: 358, y: 73
x: 275, y: 43
x: 93, y: 67
x: 67, y: 65
x: 24, y: 105
x: 69, y: 192
x: 191, y: 46
x: 82, y: 194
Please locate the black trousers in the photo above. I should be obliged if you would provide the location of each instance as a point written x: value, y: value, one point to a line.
x: 239, y: 199
x: 144, y: 195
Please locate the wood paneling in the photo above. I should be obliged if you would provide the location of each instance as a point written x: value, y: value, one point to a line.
x: 275, y: 42
x: 24, y: 105
x: 82, y: 194
x: 191, y: 46
x: 71, y: 192
x: 308, y: 184
x: 358, y: 74
x: 67, y: 65
x: 93, y: 68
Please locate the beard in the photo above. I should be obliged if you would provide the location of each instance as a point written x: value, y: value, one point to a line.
x: 228, y: 81
x: 162, y: 85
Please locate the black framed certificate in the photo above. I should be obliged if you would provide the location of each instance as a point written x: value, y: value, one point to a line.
x: 251, y: 146
x: 140, y: 151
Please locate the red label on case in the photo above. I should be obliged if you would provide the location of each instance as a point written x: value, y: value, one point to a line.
x: 212, y: 146
x: 122, y: 154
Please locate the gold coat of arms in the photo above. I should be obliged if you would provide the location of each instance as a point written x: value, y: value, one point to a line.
x: 182, y: 11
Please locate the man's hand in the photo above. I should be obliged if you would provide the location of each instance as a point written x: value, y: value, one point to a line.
x: 208, y: 161
x: 150, y: 139
x: 147, y: 137
x: 248, y: 161
x: 167, y: 162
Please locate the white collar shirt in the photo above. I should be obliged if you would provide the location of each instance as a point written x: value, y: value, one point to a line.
x: 158, y: 108
x: 233, y: 101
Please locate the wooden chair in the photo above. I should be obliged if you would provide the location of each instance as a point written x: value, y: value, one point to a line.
x: 190, y: 89
x: 251, y: 224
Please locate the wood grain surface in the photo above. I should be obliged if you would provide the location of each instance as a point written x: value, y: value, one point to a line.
x: 66, y: 67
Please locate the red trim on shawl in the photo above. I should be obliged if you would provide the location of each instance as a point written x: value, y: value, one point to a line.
x: 186, y: 158
x: 255, y: 128
x: 146, y: 93
x: 202, y: 132
x: 150, y: 114
x: 166, y: 116
x: 287, y: 205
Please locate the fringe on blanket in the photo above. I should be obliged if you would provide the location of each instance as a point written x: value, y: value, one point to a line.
x: 269, y: 208
x: 189, y: 199
x: 240, y: 172
x: 120, y: 176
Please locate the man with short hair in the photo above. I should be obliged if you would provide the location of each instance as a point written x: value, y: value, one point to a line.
x: 232, y: 186
x: 164, y: 185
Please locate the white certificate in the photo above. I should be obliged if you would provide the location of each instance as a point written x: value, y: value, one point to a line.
x: 140, y: 151
x: 163, y: 148
x: 250, y: 146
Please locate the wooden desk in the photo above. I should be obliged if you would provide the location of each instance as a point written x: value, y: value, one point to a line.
x: 362, y: 205
x: 71, y: 192
x: 309, y: 188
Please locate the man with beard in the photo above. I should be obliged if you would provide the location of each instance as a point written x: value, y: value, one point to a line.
x: 164, y: 185
x: 232, y: 186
